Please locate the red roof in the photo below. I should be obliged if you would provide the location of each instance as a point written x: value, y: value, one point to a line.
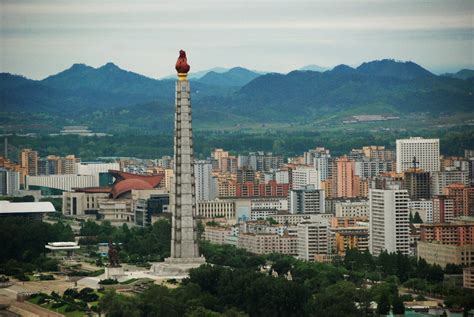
x: 127, y: 185
x: 125, y: 182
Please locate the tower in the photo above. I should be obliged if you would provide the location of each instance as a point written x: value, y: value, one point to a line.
x: 184, y: 247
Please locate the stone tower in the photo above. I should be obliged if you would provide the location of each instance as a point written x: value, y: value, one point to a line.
x: 182, y: 199
x: 184, y: 247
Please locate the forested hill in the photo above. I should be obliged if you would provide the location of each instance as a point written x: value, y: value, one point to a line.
x: 377, y: 87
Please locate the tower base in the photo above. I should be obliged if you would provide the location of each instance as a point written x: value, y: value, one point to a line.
x: 176, y: 267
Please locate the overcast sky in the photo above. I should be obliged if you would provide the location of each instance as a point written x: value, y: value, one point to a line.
x: 39, y: 38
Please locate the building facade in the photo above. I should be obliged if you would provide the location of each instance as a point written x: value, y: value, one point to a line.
x: 425, y: 151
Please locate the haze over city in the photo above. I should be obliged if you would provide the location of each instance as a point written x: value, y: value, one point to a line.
x: 40, y: 38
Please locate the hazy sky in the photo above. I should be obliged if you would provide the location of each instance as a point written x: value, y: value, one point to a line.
x: 39, y: 38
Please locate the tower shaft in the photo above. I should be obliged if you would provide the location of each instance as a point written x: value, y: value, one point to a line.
x: 182, y: 199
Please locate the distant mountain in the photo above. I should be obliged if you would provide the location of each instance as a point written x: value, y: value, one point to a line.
x: 392, y: 68
x: 83, y: 87
x: 112, y: 98
x: 372, y: 88
x: 235, y: 77
x: 314, y: 68
x: 343, y: 70
x: 462, y: 74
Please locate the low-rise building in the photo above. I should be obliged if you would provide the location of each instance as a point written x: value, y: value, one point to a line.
x: 268, y: 243
x: 443, y: 254
x: 216, y: 235
x: 352, y: 208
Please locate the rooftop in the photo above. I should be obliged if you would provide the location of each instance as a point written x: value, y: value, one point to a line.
x: 7, y: 207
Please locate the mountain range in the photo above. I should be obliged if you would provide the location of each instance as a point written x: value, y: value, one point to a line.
x: 238, y: 94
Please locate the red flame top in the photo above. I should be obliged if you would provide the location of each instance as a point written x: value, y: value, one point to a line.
x: 182, y: 66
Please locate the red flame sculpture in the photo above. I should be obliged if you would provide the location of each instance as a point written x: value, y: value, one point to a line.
x: 182, y: 66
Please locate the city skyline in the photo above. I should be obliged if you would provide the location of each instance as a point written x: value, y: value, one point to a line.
x: 42, y: 39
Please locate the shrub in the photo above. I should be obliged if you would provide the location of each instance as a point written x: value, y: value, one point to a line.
x: 57, y: 304
x: 46, y: 277
x: 108, y: 281
x: 68, y: 309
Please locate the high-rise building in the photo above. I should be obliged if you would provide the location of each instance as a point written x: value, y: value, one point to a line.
x: 389, y: 226
x: 366, y: 168
x: 312, y: 240
x: 219, y: 154
x: 346, y: 178
x: 424, y: 207
x: 228, y: 164
x: 9, y: 182
x: 29, y: 161
x: 378, y: 153
x: 302, y: 176
x: 417, y: 183
x: 203, y: 177
x: 306, y: 200
x: 443, y: 209
x: 424, y: 151
x: 439, y: 180
x: 463, y: 199
x: 246, y: 174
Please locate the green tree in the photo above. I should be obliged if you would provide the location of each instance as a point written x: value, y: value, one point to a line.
x: 383, y: 304
x: 417, y: 218
x: 117, y: 305
x: 398, y: 306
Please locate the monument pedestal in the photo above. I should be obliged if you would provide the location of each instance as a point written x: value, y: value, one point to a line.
x: 178, y: 267
x: 114, y: 272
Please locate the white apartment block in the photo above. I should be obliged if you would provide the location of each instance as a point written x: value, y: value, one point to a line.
x: 268, y: 243
x: 204, y: 182
x: 303, y: 176
x: 216, y: 235
x: 312, y: 240
x: 424, y: 208
x: 269, y: 203
x: 367, y: 168
x: 389, y: 226
x: 306, y: 200
x: 282, y: 177
x: 294, y: 219
x: 439, y: 180
x: 9, y: 182
x: 262, y: 214
x: 352, y: 209
x: 426, y: 152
